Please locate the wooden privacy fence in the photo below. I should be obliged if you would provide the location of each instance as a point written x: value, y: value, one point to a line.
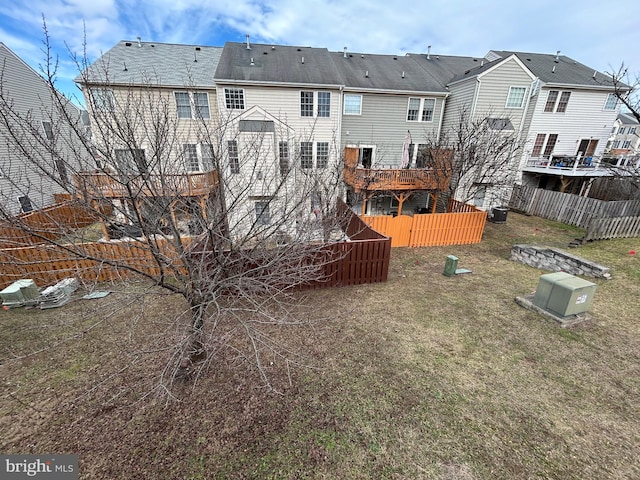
x: 568, y: 208
x: 51, y: 223
x: 364, y: 259
x: 429, y: 230
x: 613, y: 227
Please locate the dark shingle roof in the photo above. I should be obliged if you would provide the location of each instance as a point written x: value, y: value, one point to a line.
x: 385, y: 72
x: 166, y: 64
x: 627, y: 119
x: 559, y: 69
x: 448, y: 68
x: 277, y: 64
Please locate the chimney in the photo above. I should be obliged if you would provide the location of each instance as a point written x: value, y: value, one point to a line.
x: 248, y: 44
x: 345, y: 52
x: 139, y: 42
x: 429, y: 52
x: 557, y: 59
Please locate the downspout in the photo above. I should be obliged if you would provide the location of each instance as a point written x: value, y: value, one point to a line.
x: 521, y: 127
x: 475, y: 99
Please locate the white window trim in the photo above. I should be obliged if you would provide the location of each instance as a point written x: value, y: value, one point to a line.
x: 606, y: 101
x: 524, y: 95
x: 202, y: 168
x: 244, y: 98
x: 315, y: 105
x: 344, y: 106
x: 557, y: 101
x: 420, y: 109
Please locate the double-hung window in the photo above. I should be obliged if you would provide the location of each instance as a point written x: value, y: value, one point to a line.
x: 192, y: 105
x: 420, y: 109
x: 544, y: 144
x: 234, y: 98
x: 557, y: 101
x: 103, y: 99
x: 309, y: 100
x: 262, y: 212
x: 322, y: 154
x: 234, y: 158
x: 131, y: 161
x: 191, y: 157
x: 306, y: 155
x: 283, y: 150
x: 515, y: 99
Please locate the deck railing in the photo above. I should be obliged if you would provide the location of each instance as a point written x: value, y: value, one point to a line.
x: 397, y: 179
x: 103, y: 185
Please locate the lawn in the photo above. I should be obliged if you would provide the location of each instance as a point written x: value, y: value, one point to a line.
x: 424, y: 376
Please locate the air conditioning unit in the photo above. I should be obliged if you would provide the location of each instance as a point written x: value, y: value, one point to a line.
x: 20, y: 293
x: 563, y: 294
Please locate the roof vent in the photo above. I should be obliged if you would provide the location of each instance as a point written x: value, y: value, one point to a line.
x: 366, y: 74
x: 248, y: 44
x: 361, y: 55
x: 303, y: 60
x: 553, y: 70
x: 557, y: 59
x: 198, y: 49
x: 402, y: 74
x: 127, y: 44
x: 195, y: 57
x: 429, y: 52
x: 345, y: 52
x: 139, y: 41
x: 273, y: 47
x: 125, y: 66
x: 594, y: 74
x: 482, y: 63
x: 252, y: 62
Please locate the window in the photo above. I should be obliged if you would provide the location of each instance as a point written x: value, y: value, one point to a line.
x: 207, y: 156
x: 201, y: 104
x: 306, y: 104
x: 48, y: 130
x: 257, y: 126
x: 283, y: 150
x: 626, y: 144
x: 423, y: 156
x: 262, y: 213
x: 234, y: 159
x: 632, y: 130
x: 564, y: 101
x: 420, y: 109
x: 427, y: 109
x: 551, y: 143
x: 324, y: 104
x: 414, y: 108
x: 352, y: 104
x: 183, y: 104
x: 131, y: 161
x: 234, y: 98
x: 555, y: 105
x: 621, y: 131
x: 538, y: 144
x: 191, y: 157
x: 25, y: 204
x: 551, y: 101
x: 322, y: 154
x: 616, y: 144
x: 612, y: 102
x: 306, y: 155
x: 515, y: 99
x: 102, y: 99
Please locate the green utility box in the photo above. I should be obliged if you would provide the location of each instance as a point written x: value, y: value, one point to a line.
x: 563, y: 294
x: 451, y: 266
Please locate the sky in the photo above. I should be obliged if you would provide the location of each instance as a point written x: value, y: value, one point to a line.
x: 589, y: 31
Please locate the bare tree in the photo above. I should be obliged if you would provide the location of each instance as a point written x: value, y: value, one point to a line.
x: 212, y: 212
x: 626, y: 88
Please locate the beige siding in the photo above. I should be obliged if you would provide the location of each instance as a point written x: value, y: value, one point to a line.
x: 460, y: 100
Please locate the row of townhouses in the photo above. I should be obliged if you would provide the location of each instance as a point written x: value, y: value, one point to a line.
x: 320, y: 111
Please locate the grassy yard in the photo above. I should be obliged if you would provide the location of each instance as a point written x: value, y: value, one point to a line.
x: 424, y: 376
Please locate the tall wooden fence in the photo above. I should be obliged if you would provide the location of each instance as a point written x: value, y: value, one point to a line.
x: 364, y: 259
x: 432, y: 229
x: 568, y: 208
x: 47, y: 224
x: 602, y: 219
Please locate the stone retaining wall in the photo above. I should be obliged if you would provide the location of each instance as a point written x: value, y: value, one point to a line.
x: 557, y: 260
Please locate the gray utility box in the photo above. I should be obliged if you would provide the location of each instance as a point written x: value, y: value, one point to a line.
x: 564, y: 294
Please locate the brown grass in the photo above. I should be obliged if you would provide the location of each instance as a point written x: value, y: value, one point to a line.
x: 424, y: 376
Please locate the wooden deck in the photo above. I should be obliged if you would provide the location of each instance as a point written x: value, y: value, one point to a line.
x: 102, y: 185
x: 369, y: 179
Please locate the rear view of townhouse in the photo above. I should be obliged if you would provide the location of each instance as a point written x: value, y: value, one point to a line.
x: 267, y: 119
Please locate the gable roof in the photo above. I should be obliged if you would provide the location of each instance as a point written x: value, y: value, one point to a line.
x: 385, y: 73
x: 558, y: 69
x: 450, y: 68
x: 160, y: 64
x: 276, y: 64
x: 627, y: 119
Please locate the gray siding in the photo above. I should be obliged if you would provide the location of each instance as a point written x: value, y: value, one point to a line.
x: 383, y: 124
x: 29, y: 93
x: 461, y: 100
